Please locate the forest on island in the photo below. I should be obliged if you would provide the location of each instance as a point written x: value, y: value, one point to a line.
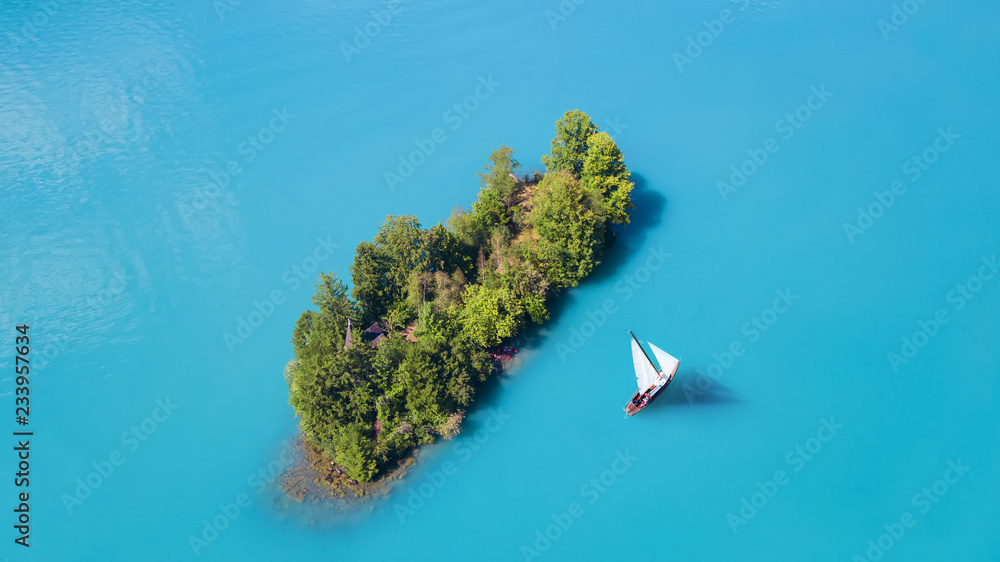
x: 446, y: 296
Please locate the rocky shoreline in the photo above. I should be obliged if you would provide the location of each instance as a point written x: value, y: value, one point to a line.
x: 316, y: 478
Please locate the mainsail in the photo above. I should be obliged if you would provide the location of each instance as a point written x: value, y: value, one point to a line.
x: 653, y: 374
x: 645, y: 373
x: 667, y: 362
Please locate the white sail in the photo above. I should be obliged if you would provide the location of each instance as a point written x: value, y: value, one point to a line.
x: 645, y: 374
x: 667, y: 362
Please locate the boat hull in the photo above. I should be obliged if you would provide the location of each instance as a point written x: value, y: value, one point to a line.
x: 631, y: 409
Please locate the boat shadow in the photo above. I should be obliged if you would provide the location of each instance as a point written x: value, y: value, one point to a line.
x: 689, y: 393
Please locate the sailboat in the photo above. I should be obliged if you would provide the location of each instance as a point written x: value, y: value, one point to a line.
x: 652, y: 380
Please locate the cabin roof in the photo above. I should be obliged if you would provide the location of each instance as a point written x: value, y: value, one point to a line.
x: 374, y: 334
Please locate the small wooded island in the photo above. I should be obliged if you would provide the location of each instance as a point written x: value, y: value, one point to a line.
x: 435, y: 302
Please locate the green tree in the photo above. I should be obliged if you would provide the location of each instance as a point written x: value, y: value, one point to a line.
x: 501, y: 175
x: 419, y: 289
x: 375, y: 286
x: 448, y: 288
x: 490, y: 315
x: 318, y: 333
x: 392, y: 405
x: 399, y: 316
x: 571, y: 230
x: 443, y: 251
x: 331, y: 296
x: 529, y: 285
x: 462, y: 224
x: 355, y: 453
x: 427, y: 397
x: 604, y: 171
x: 498, y: 194
x: 301, y: 333
x: 569, y: 147
x: 389, y: 353
x: 401, y: 237
x: 314, y: 405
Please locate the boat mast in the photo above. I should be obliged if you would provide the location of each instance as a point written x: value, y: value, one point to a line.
x: 643, y: 351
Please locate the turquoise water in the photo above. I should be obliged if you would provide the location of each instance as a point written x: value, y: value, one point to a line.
x: 131, y: 264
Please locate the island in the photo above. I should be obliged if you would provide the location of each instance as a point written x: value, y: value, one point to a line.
x: 393, y: 363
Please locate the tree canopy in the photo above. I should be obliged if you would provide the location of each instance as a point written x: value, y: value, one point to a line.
x: 569, y: 219
x: 569, y: 147
x: 604, y: 171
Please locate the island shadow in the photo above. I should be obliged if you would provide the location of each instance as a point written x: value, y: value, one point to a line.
x: 624, y: 242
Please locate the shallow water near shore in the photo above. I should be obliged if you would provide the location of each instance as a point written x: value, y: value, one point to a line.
x: 171, y: 176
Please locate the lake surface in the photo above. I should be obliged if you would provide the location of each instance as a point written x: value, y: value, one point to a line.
x: 817, y: 193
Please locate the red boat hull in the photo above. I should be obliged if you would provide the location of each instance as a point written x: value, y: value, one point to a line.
x: 631, y: 409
